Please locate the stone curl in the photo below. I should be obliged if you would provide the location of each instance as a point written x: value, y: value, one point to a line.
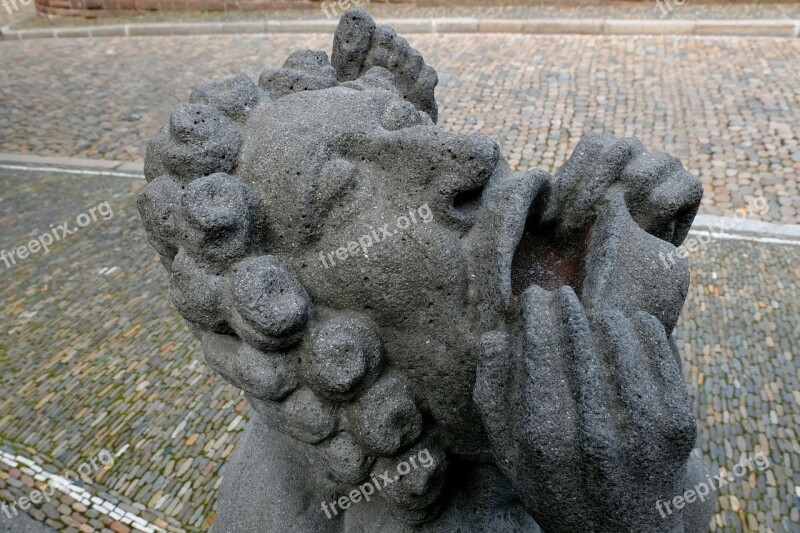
x: 319, y: 379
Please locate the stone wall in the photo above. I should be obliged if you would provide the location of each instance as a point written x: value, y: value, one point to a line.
x: 98, y: 8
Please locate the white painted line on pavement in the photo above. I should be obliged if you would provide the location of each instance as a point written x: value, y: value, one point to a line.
x: 72, y: 171
x: 79, y: 493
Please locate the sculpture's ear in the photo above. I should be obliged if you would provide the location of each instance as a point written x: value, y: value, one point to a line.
x: 360, y: 44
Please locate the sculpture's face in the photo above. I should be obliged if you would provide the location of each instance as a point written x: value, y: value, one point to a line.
x: 381, y: 213
x: 329, y: 245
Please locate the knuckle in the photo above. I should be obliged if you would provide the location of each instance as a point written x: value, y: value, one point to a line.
x: 681, y: 431
x: 630, y: 147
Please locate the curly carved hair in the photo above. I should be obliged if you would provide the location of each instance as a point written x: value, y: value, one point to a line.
x: 316, y: 375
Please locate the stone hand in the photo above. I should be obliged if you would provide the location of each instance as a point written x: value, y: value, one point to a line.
x: 614, y: 215
x: 587, y: 414
x: 584, y: 402
x: 661, y: 196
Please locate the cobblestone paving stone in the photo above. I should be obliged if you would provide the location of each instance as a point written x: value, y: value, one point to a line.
x: 739, y: 336
x: 728, y: 107
x: 647, y: 9
x: 94, y: 357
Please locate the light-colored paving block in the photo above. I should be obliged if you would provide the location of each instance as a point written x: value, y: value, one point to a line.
x: 649, y: 27
x: 73, y: 32
x: 500, y: 26
x: 409, y: 25
x: 302, y: 26
x: 132, y: 167
x: 455, y: 25
x: 198, y: 28
x: 149, y: 29
x: 766, y: 28
x: 112, y: 30
x: 587, y: 26
x: 244, y: 27
x: 39, y: 33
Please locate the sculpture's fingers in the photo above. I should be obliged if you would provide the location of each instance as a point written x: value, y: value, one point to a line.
x: 656, y: 344
x: 568, y: 179
x: 546, y: 387
x: 607, y: 239
x: 628, y: 364
x: 545, y: 409
x: 673, y: 206
x: 679, y: 426
x: 608, y: 169
x: 630, y: 270
x: 662, y: 196
x: 388, y: 49
x: 493, y: 398
x: 524, y: 397
x: 587, y: 378
x: 351, y: 43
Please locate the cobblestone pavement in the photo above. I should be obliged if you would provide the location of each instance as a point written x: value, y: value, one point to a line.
x: 739, y: 337
x: 647, y: 9
x: 94, y: 357
x: 728, y: 107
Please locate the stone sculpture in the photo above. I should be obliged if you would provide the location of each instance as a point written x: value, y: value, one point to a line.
x: 430, y: 342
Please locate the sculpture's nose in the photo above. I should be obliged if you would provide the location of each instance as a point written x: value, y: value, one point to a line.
x: 468, y: 162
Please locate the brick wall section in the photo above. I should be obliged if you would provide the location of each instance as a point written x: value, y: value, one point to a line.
x: 98, y: 8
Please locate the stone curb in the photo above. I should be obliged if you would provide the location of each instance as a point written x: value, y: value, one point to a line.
x: 135, y: 169
x: 762, y: 27
x: 755, y: 228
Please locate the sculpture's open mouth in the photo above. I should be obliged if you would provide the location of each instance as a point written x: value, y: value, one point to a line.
x: 542, y: 258
x: 530, y: 251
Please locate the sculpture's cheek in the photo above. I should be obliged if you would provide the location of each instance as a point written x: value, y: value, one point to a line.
x: 376, y: 268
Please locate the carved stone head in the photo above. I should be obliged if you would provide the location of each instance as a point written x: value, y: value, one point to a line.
x: 341, y: 257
